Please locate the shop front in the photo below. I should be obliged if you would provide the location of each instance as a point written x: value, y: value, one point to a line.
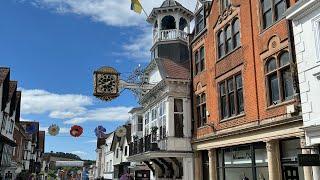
x: 245, y: 162
x: 250, y: 161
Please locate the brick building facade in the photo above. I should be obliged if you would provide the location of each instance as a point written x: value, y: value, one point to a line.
x: 247, y: 120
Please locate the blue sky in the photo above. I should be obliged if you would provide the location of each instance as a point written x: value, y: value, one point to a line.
x: 53, y: 47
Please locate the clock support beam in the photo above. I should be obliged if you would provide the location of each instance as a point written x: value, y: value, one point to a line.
x: 134, y: 86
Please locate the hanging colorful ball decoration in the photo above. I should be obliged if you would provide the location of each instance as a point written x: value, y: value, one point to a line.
x: 76, y: 131
x: 53, y: 130
x: 100, y: 131
x: 31, y: 128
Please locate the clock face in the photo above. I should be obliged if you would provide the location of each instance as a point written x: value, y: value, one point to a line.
x: 107, y: 83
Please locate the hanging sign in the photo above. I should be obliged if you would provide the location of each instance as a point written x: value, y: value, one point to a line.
x: 76, y: 131
x: 309, y: 159
x: 53, y: 130
x: 31, y: 128
x: 100, y: 131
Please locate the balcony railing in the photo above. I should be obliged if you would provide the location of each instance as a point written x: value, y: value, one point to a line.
x: 171, y: 34
x: 142, y: 145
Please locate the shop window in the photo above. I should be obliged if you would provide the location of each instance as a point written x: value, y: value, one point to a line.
x: 228, y: 38
x: 245, y: 162
x: 272, y: 11
x: 200, y: 21
x: 178, y: 117
x: 199, y: 60
x: 279, y: 78
x: 231, y: 97
x: 201, y: 110
x: 290, y: 148
x: 205, y: 165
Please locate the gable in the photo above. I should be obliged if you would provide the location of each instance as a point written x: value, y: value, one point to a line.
x: 154, y: 76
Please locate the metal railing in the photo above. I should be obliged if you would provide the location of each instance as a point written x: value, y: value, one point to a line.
x: 145, y: 144
x: 171, y: 34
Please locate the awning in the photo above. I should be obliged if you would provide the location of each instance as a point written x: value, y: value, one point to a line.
x: 8, y: 141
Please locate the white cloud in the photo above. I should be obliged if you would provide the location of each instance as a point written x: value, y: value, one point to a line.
x: 82, y: 154
x: 73, y: 108
x: 138, y: 47
x: 36, y: 101
x: 63, y: 130
x: 94, y: 141
x: 110, y: 12
x: 102, y: 114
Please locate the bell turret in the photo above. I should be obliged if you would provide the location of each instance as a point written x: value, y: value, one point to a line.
x: 171, y: 26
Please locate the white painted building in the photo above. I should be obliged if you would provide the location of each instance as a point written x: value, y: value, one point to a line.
x: 120, y: 149
x: 162, y: 142
x: 305, y: 16
x: 108, y: 165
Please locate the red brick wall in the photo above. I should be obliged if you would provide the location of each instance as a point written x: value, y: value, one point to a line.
x: 246, y: 59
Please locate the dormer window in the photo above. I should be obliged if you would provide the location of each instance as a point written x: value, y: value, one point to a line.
x: 200, y: 21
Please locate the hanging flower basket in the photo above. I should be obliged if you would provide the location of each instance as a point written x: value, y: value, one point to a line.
x: 53, y: 130
x: 100, y: 131
x: 76, y: 131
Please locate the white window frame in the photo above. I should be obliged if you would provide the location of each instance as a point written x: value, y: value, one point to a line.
x: 316, y: 29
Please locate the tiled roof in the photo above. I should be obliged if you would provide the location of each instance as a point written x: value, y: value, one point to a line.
x: 3, y: 73
x: 170, y: 3
x: 173, y: 70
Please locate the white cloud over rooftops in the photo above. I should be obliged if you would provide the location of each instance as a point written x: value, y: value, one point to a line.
x: 71, y: 108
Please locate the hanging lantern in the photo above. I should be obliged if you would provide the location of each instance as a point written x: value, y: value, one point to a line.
x: 31, y: 128
x: 53, y: 130
x: 76, y: 131
x: 100, y: 131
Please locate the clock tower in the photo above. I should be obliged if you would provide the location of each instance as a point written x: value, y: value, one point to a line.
x: 171, y: 26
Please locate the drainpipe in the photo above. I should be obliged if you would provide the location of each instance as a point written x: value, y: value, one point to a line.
x: 191, y: 85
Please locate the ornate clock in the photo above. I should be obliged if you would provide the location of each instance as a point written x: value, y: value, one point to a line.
x: 106, y: 83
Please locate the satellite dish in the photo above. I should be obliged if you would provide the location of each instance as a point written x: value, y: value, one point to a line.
x: 122, y: 131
